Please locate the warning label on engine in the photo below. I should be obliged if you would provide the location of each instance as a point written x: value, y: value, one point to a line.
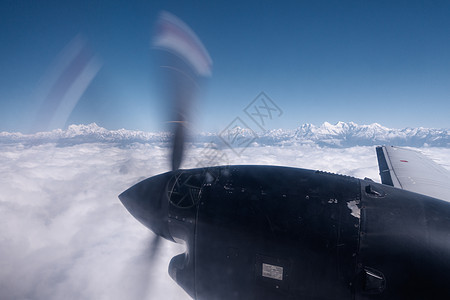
x: 271, y: 271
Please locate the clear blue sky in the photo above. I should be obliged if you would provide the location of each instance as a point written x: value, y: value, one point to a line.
x: 361, y: 61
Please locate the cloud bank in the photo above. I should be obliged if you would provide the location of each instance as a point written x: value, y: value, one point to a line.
x: 65, y: 234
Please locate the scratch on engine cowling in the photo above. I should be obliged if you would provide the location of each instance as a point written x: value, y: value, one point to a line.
x: 353, y: 206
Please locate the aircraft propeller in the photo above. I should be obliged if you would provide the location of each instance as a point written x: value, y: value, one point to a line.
x: 185, y: 62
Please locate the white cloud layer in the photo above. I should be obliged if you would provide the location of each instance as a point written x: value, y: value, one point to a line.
x: 65, y: 234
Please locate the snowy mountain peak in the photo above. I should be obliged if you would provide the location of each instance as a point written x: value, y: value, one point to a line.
x: 341, y: 134
x: 346, y: 134
x: 82, y: 129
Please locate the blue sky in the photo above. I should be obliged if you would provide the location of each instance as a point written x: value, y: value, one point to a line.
x: 361, y: 61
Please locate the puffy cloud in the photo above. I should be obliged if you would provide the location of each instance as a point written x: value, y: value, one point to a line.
x: 65, y: 234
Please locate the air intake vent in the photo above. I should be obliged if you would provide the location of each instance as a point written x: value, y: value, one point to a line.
x: 184, y: 189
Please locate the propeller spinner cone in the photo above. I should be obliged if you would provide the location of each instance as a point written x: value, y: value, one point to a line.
x: 147, y: 201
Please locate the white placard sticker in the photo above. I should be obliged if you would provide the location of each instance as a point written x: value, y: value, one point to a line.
x: 271, y: 271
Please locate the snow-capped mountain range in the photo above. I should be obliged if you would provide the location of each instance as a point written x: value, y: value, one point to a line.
x: 341, y: 134
x: 351, y: 134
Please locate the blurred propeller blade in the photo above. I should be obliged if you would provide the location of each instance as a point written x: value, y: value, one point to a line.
x: 178, y: 140
x: 153, y: 248
x: 174, y: 36
x: 140, y: 272
x: 188, y: 60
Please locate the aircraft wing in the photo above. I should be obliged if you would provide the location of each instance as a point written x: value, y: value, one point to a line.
x: 410, y: 170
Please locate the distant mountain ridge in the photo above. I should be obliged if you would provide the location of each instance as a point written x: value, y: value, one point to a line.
x: 351, y: 134
x: 341, y: 134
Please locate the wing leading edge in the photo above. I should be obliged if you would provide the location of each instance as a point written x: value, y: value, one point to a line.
x: 410, y: 170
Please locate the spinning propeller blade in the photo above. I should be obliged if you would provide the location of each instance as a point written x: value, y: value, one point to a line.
x: 187, y: 62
